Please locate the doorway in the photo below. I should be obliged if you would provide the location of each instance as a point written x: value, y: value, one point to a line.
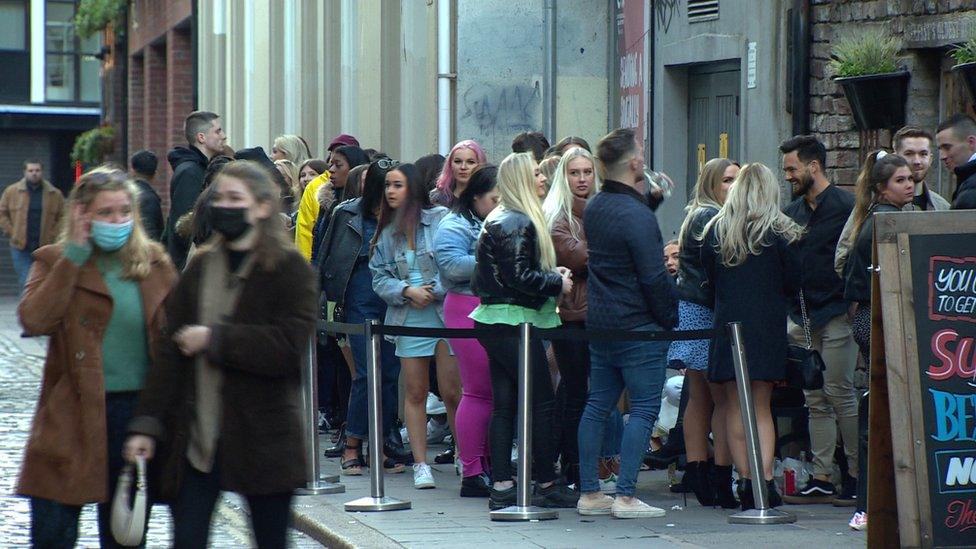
x: 713, y: 115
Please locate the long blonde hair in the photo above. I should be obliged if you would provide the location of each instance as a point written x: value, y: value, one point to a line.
x: 137, y: 253
x: 559, y: 202
x: 751, y: 211
x: 705, y: 193
x: 294, y: 147
x: 292, y: 174
x: 517, y: 192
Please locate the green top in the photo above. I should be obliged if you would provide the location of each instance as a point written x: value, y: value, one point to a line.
x: 503, y: 313
x: 125, y: 348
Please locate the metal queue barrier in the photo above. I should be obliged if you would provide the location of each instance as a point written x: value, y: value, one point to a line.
x: 523, y: 510
x: 315, y: 483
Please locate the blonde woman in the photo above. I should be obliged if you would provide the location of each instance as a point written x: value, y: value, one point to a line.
x: 706, y: 408
x: 753, y: 269
x: 98, y: 293
x: 574, y: 181
x: 290, y: 147
x: 517, y: 280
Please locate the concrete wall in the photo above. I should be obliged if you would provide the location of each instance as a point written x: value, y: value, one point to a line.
x: 763, y: 121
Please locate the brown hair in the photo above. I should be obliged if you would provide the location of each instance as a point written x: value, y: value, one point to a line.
x: 614, y: 147
x: 870, y: 182
x: 911, y: 131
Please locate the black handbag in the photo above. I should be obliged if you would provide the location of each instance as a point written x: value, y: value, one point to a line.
x: 804, y: 365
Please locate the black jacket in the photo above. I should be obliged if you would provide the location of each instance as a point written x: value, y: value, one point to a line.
x: 965, y: 196
x: 508, y: 269
x: 150, y: 210
x: 189, y: 166
x: 339, y: 250
x: 691, y: 275
x: 857, y: 275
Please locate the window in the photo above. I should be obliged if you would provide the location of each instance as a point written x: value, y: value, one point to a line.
x: 13, y: 25
x: 14, y: 52
x: 72, y: 71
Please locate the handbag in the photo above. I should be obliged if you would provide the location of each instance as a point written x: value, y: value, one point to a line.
x: 804, y: 365
x: 129, y: 513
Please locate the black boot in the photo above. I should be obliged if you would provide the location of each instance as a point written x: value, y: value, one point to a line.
x: 745, y: 494
x: 670, y: 453
x: 772, y: 494
x: 720, y: 478
x: 696, y: 476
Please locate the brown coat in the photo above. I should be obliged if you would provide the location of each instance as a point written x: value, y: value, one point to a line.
x: 13, y: 213
x: 260, y: 448
x: 66, y: 458
x: 572, y: 254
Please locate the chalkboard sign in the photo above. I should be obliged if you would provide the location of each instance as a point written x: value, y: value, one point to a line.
x: 927, y: 272
x: 944, y: 276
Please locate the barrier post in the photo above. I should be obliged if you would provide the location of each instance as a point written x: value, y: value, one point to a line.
x: 377, y: 500
x: 762, y: 514
x: 523, y: 509
x: 315, y: 484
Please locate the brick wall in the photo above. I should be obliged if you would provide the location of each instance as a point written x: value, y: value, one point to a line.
x: 830, y: 114
x: 160, y: 81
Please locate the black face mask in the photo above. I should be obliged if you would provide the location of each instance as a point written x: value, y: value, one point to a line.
x: 230, y: 222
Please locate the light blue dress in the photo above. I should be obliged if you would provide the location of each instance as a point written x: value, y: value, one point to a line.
x: 413, y: 347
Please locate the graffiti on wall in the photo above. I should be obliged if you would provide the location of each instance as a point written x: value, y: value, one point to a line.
x: 502, y: 108
x: 665, y: 10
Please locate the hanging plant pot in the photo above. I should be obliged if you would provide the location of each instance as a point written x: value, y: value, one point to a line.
x: 967, y: 73
x: 877, y: 100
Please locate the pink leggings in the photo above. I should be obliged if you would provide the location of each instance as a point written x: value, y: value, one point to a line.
x: 474, y: 411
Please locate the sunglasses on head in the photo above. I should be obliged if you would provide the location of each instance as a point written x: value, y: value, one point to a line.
x: 387, y: 163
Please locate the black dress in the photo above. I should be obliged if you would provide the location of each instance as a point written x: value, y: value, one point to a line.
x: 756, y: 293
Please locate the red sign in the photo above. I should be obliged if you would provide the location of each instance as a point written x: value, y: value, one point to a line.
x: 630, y: 53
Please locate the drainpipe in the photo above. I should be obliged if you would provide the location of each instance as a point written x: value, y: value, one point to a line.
x: 445, y: 77
x: 800, y: 77
x: 549, y: 71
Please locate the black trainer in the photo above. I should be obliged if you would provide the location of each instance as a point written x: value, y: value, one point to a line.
x: 477, y: 486
x: 500, y: 499
x: 557, y: 496
x: 848, y: 493
x: 816, y: 491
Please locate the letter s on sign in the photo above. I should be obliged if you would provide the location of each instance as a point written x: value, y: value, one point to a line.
x: 939, y: 342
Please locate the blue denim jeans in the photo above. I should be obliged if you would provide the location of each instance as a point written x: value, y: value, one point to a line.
x: 22, y: 263
x: 363, y: 304
x: 613, y: 432
x: 639, y: 367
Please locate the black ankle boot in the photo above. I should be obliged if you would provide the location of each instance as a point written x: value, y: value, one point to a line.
x: 720, y: 478
x: 745, y: 494
x: 671, y: 452
x: 696, y: 476
x: 772, y: 494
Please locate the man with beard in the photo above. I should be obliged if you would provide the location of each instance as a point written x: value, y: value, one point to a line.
x: 823, y: 208
x: 30, y: 211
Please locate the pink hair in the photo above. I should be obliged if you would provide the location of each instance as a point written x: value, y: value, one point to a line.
x: 445, y: 182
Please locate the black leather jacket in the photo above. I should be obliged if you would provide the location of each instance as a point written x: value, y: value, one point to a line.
x: 508, y: 269
x: 340, y: 250
x: 691, y: 274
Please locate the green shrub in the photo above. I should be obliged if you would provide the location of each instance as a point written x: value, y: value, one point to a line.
x: 966, y: 52
x: 868, y: 51
x: 94, y: 16
x: 93, y: 146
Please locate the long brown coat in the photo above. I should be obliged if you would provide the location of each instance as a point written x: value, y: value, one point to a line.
x: 66, y: 458
x: 260, y: 446
x: 571, y: 253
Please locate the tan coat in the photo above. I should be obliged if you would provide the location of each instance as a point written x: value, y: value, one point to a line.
x: 572, y: 253
x: 66, y: 458
x: 13, y: 213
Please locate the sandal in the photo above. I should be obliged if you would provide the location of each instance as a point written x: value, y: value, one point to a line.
x: 353, y: 466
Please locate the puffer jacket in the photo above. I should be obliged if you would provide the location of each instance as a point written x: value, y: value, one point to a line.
x: 509, y: 269
x: 691, y: 274
x: 571, y: 253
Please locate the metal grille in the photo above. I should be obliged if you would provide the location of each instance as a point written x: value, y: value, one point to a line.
x: 702, y: 10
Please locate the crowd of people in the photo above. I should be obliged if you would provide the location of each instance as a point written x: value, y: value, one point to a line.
x: 181, y: 342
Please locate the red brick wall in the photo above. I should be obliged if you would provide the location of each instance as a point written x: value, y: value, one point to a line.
x: 160, y: 80
x: 830, y: 113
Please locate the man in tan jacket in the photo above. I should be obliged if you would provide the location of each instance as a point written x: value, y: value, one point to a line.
x: 30, y: 211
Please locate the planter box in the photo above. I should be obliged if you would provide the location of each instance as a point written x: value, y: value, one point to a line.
x: 877, y: 100
x: 967, y: 73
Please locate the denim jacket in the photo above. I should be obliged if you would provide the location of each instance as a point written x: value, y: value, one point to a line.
x: 454, y: 249
x: 391, y: 274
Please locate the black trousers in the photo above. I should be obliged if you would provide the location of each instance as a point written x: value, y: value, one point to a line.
x: 503, y: 368
x: 334, y: 378
x: 193, y: 508
x: 573, y: 359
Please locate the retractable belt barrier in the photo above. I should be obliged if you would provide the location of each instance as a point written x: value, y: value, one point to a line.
x: 523, y: 510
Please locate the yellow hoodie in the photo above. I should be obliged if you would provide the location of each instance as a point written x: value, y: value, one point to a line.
x: 308, y: 212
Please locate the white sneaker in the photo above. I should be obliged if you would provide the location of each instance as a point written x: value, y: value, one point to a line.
x: 437, y: 431
x: 423, y: 478
x: 589, y: 507
x: 609, y: 484
x: 859, y: 521
x: 634, y: 509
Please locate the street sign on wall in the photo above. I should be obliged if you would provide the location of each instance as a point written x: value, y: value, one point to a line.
x: 631, y: 78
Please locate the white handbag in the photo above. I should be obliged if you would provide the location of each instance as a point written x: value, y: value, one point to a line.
x: 129, y: 517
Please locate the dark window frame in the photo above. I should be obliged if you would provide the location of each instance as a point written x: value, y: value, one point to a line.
x: 76, y: 53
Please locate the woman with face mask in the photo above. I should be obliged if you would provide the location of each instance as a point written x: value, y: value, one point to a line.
x: 98, y: 293
x: 221, y: 399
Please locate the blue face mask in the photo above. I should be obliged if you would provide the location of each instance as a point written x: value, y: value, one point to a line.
x: 110, y: 236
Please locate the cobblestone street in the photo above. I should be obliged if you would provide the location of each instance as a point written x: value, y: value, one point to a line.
x: 20, y: 375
